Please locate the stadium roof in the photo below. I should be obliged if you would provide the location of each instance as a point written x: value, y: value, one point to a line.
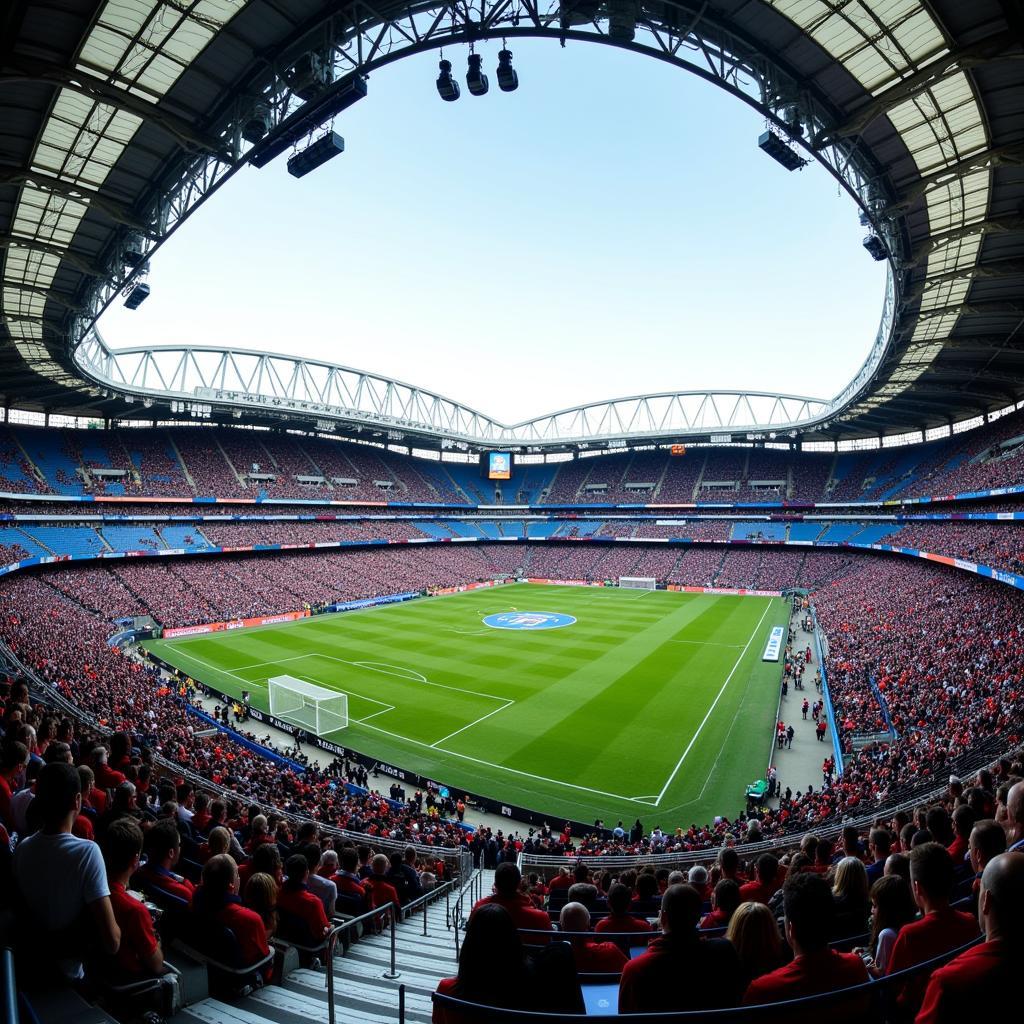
x: 120, y: 116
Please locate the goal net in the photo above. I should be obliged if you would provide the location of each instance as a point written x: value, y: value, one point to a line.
x: 314, y: 708
x: 638, y: 582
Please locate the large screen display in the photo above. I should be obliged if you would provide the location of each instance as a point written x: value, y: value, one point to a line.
x: 499, y: 465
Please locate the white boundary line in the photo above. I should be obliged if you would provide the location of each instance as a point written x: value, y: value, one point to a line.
x: 704, y: 643
x: 471, y: 724
x: 714, y: 704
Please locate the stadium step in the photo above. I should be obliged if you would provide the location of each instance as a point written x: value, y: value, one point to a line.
x: 361, y: 992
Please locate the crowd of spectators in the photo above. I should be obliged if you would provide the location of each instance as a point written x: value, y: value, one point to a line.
x: 218, y: 461
x: 819, y: 920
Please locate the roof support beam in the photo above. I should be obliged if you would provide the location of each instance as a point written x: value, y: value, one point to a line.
x: 981, y: 52
x: 997, y: 225
x: 1000, y: 268
x: 1000, y: 156
x: 24, y: 69
x: 17, y: 242
x: 78, y: 192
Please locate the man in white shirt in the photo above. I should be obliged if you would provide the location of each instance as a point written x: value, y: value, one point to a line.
x: 61, y: 880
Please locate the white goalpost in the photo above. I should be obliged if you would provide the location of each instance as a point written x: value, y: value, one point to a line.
x: 638, y: 582
x: 314, y: 708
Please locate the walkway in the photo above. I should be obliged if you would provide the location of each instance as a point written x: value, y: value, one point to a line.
x: 800, y: 765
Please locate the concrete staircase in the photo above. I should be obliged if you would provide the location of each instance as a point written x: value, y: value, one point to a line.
x: 362, y: 992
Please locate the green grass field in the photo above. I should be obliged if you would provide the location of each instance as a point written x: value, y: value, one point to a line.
x: 652, y: 704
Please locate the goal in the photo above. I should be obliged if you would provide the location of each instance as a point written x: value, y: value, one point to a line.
x: 314, y: 708
x: 638, y: 582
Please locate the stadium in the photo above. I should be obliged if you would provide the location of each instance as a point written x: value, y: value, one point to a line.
x: 327, y: 696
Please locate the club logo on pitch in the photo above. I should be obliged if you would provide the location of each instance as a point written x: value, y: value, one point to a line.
x: 528, y: 620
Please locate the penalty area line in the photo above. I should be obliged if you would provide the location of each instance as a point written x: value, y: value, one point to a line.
x: 714, y: 704
x: 471, y: 724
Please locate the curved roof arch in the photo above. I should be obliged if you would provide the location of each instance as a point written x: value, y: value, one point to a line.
x: 124, y: 116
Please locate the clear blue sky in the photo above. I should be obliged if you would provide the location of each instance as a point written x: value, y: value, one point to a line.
x: 609, y: 229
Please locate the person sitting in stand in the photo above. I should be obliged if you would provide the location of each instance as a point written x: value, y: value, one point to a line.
x: 506, y: 894
x: 809, y: 915
x: 309, y: 924
x: 163, y: 850
x: 681, y: 971
x: 724, y: 901
x: 762, y: 890
x: 378, y: 890
x: 591, y: 957
x: 493, y: 968
x: 351, y: 892
x: 940, y: 929
x: 139, y: 954
x: 754, y: 934
x: 990, y: 970
x: 61, y: 880
x: 987, y: 840
x: 218, y: 899
x: 619, y: 918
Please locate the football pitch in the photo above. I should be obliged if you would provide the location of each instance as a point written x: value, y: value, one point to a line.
x: 582, y: 702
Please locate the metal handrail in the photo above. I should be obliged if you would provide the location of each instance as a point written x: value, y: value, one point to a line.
x: 394, y: 918
x: 473, y: 886
x: 8, y: 987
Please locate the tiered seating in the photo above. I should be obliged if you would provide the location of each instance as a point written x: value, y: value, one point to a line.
x: 758, y: 531
x: 69, y: 540
x: 131, y: 538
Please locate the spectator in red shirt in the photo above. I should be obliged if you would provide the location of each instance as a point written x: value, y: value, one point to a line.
x: 985, y: 973
x: 139, y: 954
x: 13, y: 758
x: 729, y: 864
x: 987, y: 840
x: 762, y: 890
x: 680, y: 970
x: 218, y: 898
x: 379, y: 891
x: 506, y: 894
x: 724, y: 901
x: 963, y: 821
x: 163, y: 850
x: 939, y: 930
x: 815, y: 968
x: 300, y: 912
x: 351, y: 892
x: 591, y: 957
x: 619, y: 918
x: 106, y: 777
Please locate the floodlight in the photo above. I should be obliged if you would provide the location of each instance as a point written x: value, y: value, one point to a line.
x: 876, y: 247
x: 775, y: 146
x: 325, y: 148
x: 137, y: 296
x: 476, y: 80
x: 447, y: 87
x: 508, y: 79
x: 257, y: 124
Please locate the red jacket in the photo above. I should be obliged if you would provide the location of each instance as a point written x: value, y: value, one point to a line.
x: 957, y: 991
x: 926, y: 939
x: 300, y: 903
x: 523, y: 913
x: 824, y: 971
x: 597, y: 957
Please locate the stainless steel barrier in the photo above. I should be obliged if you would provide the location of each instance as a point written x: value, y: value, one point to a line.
x: 393, y: 918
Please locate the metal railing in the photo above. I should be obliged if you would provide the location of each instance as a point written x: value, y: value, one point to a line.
x: 474, y: 890
x: 377, y: 916
x: 871, y: 999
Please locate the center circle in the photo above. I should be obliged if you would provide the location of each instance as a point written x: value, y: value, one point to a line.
x: 528, y: 620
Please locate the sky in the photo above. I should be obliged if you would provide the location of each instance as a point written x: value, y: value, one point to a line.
x: 609, y: 229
